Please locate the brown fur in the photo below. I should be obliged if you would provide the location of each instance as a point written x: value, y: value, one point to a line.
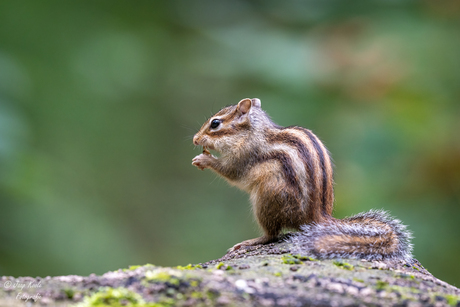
x: 287, y: 171
x: 288, y: 174
x: 358, y: 244
x: 386, y: 241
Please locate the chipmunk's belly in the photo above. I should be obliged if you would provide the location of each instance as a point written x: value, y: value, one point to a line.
x: 267, y: 175
x: 257, y: 175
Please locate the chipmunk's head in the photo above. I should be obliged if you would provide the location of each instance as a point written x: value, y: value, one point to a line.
x: 229, y: 127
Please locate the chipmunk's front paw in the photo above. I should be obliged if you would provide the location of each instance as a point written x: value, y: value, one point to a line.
x: 203, y: 161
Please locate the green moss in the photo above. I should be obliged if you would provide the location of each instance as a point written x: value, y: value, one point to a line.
x: 197, y: 295
x: 166, y: 302
x: 189, y: 267
x: 452, y: 300
x: 134, y: 267
x: 381, y: 285
x: 404, y: 275
x: 344, y: 265
x: 163, y: 276
x: 69, y: 293
x: 219, y: 265
x: 119, y: 297
x: 358, y: 279
x: 278, y: 274
x: 171, y: 278
x: 122, y: 297
x: 405, y: 293
x: 404, y: 289
x: 305, y: 258
x: 290, y: 259
x: 212, y: 294
x: 414, y: 289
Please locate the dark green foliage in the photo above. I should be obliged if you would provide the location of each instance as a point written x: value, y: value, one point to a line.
x: 99, y: 101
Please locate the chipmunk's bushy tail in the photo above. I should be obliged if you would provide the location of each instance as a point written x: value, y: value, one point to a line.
x: 372, y: 235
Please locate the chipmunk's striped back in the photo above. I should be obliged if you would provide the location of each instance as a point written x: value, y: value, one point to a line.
x: 311, y: 163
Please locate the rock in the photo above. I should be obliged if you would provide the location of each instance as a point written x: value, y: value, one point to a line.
x: 265, y: 275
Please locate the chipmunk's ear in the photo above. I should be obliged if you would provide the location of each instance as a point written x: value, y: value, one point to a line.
x: 244, y: 106
x: 256, y: 102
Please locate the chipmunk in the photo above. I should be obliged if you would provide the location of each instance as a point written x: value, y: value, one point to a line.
x: 288, y: 174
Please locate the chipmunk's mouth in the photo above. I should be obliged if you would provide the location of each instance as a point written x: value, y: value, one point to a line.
x: 207, y: 152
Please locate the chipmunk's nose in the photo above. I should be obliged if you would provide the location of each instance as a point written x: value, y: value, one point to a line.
x: 195, y: 140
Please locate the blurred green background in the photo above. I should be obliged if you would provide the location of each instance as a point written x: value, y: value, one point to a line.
x: 99, y: 101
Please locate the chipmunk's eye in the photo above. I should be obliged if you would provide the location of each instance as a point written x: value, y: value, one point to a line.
x: 215, y: 123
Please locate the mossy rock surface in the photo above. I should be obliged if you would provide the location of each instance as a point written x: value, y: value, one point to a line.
x: 254, y: 276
